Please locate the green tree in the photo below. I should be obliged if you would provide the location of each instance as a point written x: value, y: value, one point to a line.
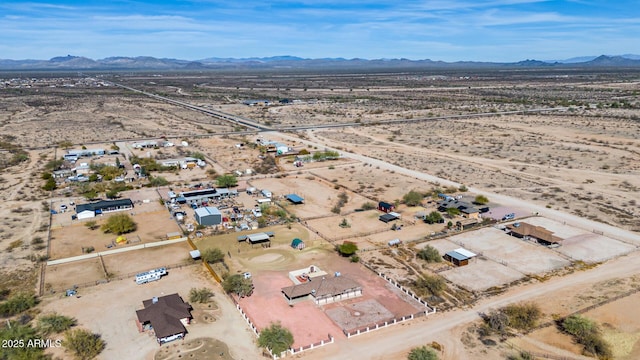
x: 276, y: 338
x: 347, y: 248
x: 112, y: 193
x: 212, y: 255
x: 55, y: 323
x: 412, y: 198
x: 197, y: 155
x: 481, y: 200
x: 434, y: 217
x: 52, y: 165
x: 50, y: 185
x: 202, y: 295
x: 429, y: 254
x: 238, y: 284
x: 83, y: 344
x: 422, y: 353
x: 90, y: 194
x: 119, y: 224
x: 226, y: 181
x: 453, y: 212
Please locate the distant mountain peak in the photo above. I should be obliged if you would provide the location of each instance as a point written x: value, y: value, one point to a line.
x: 72, y: 62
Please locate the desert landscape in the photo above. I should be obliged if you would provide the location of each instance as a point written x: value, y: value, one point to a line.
x: 558, y: 150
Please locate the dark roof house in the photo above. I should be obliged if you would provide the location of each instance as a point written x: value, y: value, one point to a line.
x: 105, y: 206
x: 167, y: 315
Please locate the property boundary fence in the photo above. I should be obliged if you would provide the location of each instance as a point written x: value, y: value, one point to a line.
x: 384, y: 324
x: 122, y: 277
x: 431, y: 310
x: 115, y: 251
x: 539, y: 355
x: 291, y: 351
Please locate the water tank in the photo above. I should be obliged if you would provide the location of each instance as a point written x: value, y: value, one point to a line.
x: 154, y: 300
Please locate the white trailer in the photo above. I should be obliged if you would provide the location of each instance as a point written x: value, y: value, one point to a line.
x: 151, y: 275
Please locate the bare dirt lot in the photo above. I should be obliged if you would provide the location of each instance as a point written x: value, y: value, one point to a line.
x: 91, y: 271
x: 70, y: 240
x: 319, y: 197
x: 522, y: 256
x: 120, y: 300
x: 64, y: 276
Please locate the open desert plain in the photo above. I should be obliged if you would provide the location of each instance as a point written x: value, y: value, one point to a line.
x: 474, y: 211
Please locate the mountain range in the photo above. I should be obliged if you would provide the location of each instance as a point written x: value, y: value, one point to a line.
x: 70, y: 62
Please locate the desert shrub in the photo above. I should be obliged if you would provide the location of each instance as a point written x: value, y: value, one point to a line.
x: 17, y: 303
x: 15, y: 330
x: 498, y: 321
x: 522, y: 355
x: 212, y: 255
x: 91, y: 224
x: 523, y: 316
x: 158, y: 181
x: 422, y: 353
x: 83, y: 344
x: 276, y: 338
x: 428, y: 284
x: 412, y: 198
x: 429, y: 254
x: 55, y: 323
x: 481, y: 200
x: 587, y: 332
x: 368, y: 206
x: 201, y: 295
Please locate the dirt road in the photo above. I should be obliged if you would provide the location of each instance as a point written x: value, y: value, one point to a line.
x: 394, y: 342
x: 569, y: 219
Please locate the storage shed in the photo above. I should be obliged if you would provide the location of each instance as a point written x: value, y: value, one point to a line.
x: 208, y: 216
x: 295, y: 199
x: 459, y: 257
x: 297, y: 244
x: 385, y: 206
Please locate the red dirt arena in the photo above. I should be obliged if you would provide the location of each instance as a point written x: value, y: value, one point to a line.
x: 311, y: 323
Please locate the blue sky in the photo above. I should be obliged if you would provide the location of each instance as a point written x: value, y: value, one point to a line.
x: 448, y: 30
